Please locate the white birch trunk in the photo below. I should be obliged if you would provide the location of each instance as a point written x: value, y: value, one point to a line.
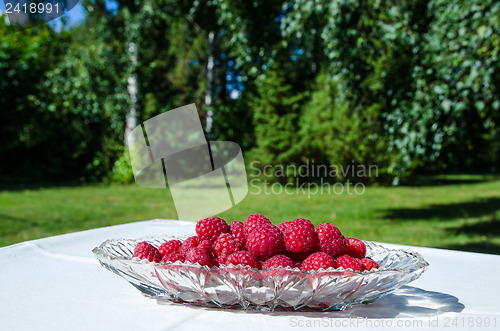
x: 131, y: 120
x: 210, y: 81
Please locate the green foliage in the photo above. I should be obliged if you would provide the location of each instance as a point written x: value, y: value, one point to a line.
x: 276, y: 109
x: 364, y: 65
x: 122, y: 169
x: 172, y: 55
x: 87, y: 88
x: 426, y: 72
x: 332, y: 132
x: 457, y: 86
x: 232, y: 122
x: 30, y: 132
x: 408, y: 86
x: 248, y: 30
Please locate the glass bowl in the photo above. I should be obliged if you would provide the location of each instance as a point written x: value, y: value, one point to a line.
x: 265, y: 290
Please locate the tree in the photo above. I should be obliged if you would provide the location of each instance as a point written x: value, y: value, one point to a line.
x: 276, y: 110
x: 429, y: 68
x: 456, y: 109
x: 29, y: 131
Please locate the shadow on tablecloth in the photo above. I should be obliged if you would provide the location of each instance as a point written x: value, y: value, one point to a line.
x: 406, y: 302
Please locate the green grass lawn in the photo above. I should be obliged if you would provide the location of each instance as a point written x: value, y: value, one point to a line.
x: 456, y: 212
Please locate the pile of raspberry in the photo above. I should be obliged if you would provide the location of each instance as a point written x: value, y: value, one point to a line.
x: 259, y: 244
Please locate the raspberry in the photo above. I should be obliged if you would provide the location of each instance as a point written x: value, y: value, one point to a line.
x: 348, y: 262
x: 188, y: 244
x: 300, y: 238
x: 144, y: 250
x: 225, y: 245
x: 238, y: 232
x: 355, y: 248
x: 331, y: 241
x: 317, y: 261
x: 284, y: 225
x: 265, y: 241
x: 273, y: 228
x: 254, y: 221
x: 369, y: 264
x: 207, y: 246
x: 278, y: 261
x: 243, y: 258
x: 173, y: 257
x: 169, y: 247
x: 198, y: 255
x: 210, y: 228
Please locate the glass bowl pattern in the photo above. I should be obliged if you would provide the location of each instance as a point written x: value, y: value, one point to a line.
x: 240, y: 286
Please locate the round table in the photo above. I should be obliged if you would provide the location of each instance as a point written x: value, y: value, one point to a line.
x: 56, y: 283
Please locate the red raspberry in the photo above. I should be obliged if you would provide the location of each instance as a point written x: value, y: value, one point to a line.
x: 207, y: 246
x: 297, y: 264
x: 243, y: 258
x: 210, y: 228
x: 300, y: 238
x: 254, y: 221
x: 284, y: 225
x: 237, y: 230
x: 317, y: 261
x: 173, y: 257
x: 369, y: 264
x: 169, y: 247
x: 273, y: 228
x: 188, y: 244
x: 331, y: 241
x: 348, y: 262
x: 144, y: 250
x: 225, y: 245
x: 355, y: 248
x: 265, y: 241
x: 198, y: 255
x: 278, y: 261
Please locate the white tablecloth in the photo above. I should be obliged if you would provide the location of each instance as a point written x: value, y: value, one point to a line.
x: 56, y: 284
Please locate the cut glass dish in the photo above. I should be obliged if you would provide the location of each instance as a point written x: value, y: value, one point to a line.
x: 244, y: 287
